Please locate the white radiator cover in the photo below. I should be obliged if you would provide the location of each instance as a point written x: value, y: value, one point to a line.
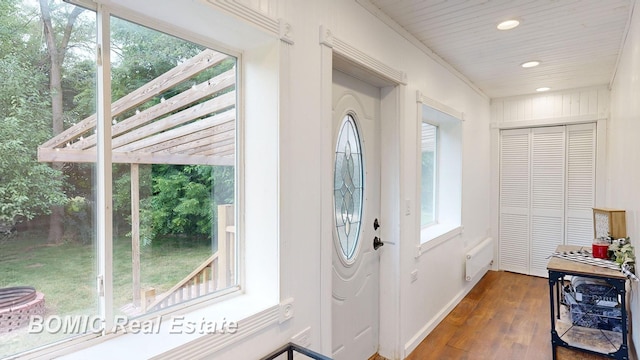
x: 478, y: 258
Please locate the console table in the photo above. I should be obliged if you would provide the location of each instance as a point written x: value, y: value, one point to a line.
x: 563, y: 333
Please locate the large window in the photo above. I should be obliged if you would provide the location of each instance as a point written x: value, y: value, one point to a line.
x: 173, y: 141
x: 171, y: 157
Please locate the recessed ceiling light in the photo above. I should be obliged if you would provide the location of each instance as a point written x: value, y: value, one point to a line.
x: 541, y: 89
x: 530, y: 64
x: 508, y: 24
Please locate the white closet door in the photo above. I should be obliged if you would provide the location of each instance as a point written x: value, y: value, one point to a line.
x: 547, y: 190
x: 547, y: 195
x: 514, y: 201
x: 581, y: 169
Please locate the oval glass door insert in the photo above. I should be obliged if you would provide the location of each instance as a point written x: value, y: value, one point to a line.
x: 348, y: 187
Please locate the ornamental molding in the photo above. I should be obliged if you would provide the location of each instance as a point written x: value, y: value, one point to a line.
x: 277, y: 27
x: 421, y: 98
x: 360, y: 58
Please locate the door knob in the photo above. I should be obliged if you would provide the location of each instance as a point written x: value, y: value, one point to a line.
x: 377, y: 243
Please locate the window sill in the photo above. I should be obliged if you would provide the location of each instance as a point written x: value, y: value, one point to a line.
x: 176, y: 334
x: 433, y: 236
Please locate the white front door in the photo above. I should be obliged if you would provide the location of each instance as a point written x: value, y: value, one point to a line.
x: 355, y: 275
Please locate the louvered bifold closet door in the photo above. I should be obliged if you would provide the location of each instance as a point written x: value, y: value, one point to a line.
x: 547, y: 195
x: 581, y: 170
x: 514, y: 200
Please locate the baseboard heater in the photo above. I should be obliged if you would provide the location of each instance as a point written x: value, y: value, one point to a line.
x: 479, y: 257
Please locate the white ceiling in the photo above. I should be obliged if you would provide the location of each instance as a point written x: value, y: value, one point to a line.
x: 577, y: 41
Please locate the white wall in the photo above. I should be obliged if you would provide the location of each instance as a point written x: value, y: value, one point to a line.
x: 441, y: 271
x: 571, y: 105
x: 623, y: 151
x: 440, y: 283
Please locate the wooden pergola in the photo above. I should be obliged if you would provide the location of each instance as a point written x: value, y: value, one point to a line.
x: 196, y: 126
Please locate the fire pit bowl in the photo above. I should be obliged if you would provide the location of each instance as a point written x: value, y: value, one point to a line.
x: 17, y: 305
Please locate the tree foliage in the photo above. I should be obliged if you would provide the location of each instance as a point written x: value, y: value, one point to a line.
x: 177, y: 200
x: 26, y: 186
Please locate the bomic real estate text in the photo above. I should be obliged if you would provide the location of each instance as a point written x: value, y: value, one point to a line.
x: 87, y: 324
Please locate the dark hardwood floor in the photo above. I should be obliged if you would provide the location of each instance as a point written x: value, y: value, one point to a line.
x: 505, y: 316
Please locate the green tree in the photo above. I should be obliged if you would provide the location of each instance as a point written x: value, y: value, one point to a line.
x: 27, y: 188
x: 57, y: 35
x: 43, y: 66
x: 184, y: 200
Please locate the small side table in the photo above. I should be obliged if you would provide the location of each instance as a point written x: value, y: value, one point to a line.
x: 563, y: 333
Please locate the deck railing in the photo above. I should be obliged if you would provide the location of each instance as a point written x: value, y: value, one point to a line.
x: 215, y: 273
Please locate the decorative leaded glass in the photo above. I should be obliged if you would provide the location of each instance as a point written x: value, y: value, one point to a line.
x: 348, y: 187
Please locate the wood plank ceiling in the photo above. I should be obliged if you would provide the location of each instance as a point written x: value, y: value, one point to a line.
x: 577, y: 41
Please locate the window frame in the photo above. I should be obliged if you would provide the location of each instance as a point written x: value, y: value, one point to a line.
x: 105, y: 251
x: 448, y: 197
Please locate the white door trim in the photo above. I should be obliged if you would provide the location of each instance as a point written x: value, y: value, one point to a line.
x: 392, y: 83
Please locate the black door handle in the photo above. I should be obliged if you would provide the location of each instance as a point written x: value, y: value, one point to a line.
x: 377, y: 243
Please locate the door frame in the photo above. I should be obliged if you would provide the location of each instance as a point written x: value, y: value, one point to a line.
x: 338, y: 54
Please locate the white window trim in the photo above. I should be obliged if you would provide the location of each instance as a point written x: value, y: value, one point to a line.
x: 248, y: 312
x: 437, y: 234
x: 448, y: 222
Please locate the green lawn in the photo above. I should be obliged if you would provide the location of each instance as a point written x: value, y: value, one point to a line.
x: 66, y: 275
